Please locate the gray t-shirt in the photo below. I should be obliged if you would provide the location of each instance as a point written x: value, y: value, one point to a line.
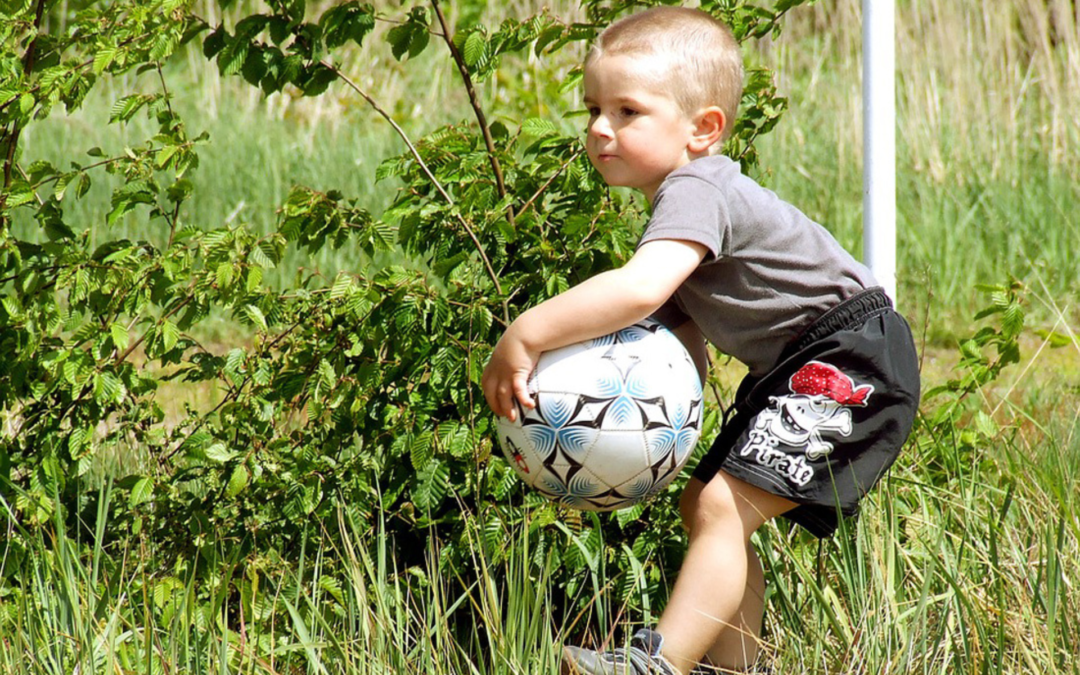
x: 770, y: 270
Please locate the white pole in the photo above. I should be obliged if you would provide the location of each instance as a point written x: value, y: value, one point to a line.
x: 879, y: 141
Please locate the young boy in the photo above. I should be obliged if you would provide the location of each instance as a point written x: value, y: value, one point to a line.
x: 833, y: 381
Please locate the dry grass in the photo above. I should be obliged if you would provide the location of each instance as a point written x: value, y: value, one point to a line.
x: 979, y: 82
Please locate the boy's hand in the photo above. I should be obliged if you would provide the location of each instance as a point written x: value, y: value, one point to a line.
x: 506, y: 376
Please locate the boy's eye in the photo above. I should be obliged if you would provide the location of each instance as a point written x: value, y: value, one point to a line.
x: 593, y: 111
x: 628, y: 112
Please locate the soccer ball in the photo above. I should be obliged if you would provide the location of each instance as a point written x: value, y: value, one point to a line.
x: 615, y: 420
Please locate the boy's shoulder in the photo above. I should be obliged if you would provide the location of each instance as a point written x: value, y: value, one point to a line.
x: 719, y: 170
x: 719, y: 180
x: 719, y: 176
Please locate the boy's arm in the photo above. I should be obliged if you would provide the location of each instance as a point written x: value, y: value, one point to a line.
x: 598, y: 306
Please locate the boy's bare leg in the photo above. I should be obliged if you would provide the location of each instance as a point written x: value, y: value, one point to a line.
x: 737, y: 647
x: 711, y: 590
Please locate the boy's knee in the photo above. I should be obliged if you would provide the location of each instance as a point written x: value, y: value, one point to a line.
x: 726, y: 502
x: 707, y: 504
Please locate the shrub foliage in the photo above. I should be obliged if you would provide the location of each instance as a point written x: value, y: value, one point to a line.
x: 358, y: 392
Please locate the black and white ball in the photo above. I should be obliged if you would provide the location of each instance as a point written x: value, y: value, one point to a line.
x: 616, y: 419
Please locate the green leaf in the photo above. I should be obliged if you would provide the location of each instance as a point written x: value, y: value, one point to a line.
x: 410, y: 37
x: 327, y: 375
x: 253, y: 279
x: 342, y: 285
x: 141, y: 493
x: 219, y: 453
x: 120, y: 336
x: 421, y: 449
x: 237, y: 481
x: 164, y: 155
x: 84, y: 184
x: 234, y: 361
x: 78, y: 440
x: 232, y: 56
x: 475, y: 46
x: 539, y: 127
x: 270, y: 253
x: 165, y: 589
x: 224, y: 275
x: 62, y: 185
x: 986, y: 424
x: 180, y: 190
x: 348, y: 21
x: 300, y: 500
x: 194, y: 444
x: 108, y: 388
x: 170, y: 335
x: 255, y: 316
x: 215, y: 42
x: 126, y: 107
x: 316, y: 80
x: 165, y: 44
x: 433, y: 486
x: 1055, y: 339
x: 19, y: 194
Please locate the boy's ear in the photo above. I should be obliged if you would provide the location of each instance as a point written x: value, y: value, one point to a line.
x: 709, y: 125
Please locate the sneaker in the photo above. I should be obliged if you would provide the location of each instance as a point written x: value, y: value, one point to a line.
x: 642, y: 657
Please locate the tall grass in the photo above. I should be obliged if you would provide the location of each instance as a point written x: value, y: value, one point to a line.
x: 986, y: 143
x: 347, y: 609
x: 963, y: 560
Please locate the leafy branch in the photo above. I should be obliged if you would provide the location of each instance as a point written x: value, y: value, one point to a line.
x: 11, y: 137
x: 431, y: 176
x: 474, y: 101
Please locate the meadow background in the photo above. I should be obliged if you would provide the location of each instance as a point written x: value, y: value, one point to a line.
x: 964, y: 558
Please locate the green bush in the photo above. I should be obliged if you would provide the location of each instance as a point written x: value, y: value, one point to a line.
x: 358, y: 392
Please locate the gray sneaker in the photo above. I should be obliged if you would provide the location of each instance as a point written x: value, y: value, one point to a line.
x: 642, y: 657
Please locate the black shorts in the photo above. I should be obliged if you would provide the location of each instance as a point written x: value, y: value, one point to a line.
x: 830, y: 418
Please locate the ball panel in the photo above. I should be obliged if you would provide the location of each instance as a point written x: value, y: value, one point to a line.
x: 560, y: 422
x: 519, y: 452
x: 617, y: 456
x: 578, y: 369
x: 639, y: 487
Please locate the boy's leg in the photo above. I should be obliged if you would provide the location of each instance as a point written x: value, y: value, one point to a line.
x: 712, y: 587
x: 737, y: 647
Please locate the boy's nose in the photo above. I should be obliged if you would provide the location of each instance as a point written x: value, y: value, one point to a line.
x: 601, y: 127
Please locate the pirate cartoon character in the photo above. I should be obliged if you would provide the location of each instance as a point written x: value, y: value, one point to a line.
x: 820, y: 396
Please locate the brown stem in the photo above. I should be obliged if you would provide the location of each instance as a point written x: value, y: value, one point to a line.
x: 16, y: 129
x: 121, y: 358
x: 551, y: 180
x: 168, y: 104
x: 474, y: 101
x: 431, y: 176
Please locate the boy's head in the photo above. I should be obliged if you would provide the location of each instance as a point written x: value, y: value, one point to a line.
x: 695, y: 57
x: 661, y: 88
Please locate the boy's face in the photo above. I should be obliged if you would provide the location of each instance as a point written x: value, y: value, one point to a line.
x: 637, y: 133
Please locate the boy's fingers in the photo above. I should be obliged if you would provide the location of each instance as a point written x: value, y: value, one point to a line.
x: 506, y: 404
x: 521, y: 391
x: 489, y: 395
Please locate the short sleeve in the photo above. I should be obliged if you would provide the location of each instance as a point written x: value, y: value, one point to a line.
x: 690, y: 209
x: 670, y: 314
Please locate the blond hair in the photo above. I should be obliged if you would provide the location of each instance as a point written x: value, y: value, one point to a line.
x: 704, y: 64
